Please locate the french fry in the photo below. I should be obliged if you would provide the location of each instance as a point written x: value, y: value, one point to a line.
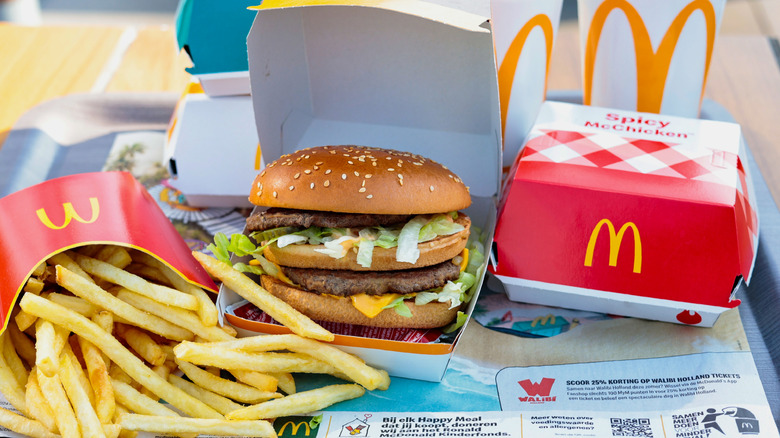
x: 13, y: 360
x: 207, y: 311
x: 143, y: 344
x: 37, y: 406
x: 111, y: 273
x: 205, y: 354
x: 105, y: 404
x: 66, y: 261
x: 179, y: 317
x: 85, y: 414
x: 64, y: 416
x: 162, y: 371
x: 24, y: 346
x: 114, y: 255
x: 178, y: 426
x: 24, y: 426
x: 33, y: 285
x: 80, y: 305
x: 49, y: 341
x: 9, y: 385
x: 24, y: 320
x: 221, y: 404
x: 90, y: 250
x: 285, y: 382
x: 299, y: 403
x: 39, y: 270
x: 233, y: 390
x: 94, y: 294
x: 78, y: 372
x: 279, y: 310
x: 352, y: 366
x: 124, y: 433
x: 261, y: 381
x: 133, y: 366
x: 148, y: 273
x: 137, y: 402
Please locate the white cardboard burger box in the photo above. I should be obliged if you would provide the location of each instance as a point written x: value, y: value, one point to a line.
x: 634, y: 214
x: 405, y: 75
x: 210, y: 136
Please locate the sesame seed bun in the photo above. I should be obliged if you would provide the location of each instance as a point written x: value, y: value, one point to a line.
x: 334, y: 309
x: 358, y: 179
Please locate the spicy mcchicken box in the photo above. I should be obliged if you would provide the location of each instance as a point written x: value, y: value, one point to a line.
x: 633, y: 214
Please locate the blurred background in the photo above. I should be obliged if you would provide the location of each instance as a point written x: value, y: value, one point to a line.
x: 742, y: 16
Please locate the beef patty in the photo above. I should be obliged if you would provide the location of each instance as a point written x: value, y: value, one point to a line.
x: 287, y: 217
x: 345, y: 283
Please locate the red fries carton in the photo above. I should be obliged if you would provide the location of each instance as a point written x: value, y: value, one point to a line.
x: 634, y: 214
x: 90, y: 208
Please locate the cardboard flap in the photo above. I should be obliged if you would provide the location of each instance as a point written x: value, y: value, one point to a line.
x: 430, y: 11
x: 335, y: 73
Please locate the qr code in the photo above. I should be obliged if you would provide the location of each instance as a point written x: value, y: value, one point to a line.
x: 636, y: 427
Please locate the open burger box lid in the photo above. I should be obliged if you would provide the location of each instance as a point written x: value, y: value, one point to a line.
x: 404, y: 75
x: 211, y: 148
x: 634, y: 214
x: 83, y: 209
x: 213, y: 34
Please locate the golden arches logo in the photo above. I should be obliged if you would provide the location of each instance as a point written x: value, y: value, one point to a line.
x: 295, y: 426
x: 506, y: 72
x: 615, y: 240
x: 70, y: 214
x: 652, y: 67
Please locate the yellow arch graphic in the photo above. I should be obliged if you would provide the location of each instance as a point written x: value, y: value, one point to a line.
x: 70, y: 213
x: 651, y: 67
x: 506, y: 72
x: 615, y: 240
x: 295, y: 427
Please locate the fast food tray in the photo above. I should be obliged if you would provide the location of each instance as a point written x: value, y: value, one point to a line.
x: 74, y: 134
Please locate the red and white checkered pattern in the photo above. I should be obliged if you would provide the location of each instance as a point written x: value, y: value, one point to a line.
x: 677, y: 160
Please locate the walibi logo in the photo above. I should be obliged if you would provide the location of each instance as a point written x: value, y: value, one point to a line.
x: 537, y: 392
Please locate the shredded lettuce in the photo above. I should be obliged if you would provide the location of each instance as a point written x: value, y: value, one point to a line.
x: 400, y: 307
x: 337, y: 248
x: 289, y: 239
x: 408, y: 238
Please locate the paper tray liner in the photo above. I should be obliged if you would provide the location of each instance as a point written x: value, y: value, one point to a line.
x: 83, y: 209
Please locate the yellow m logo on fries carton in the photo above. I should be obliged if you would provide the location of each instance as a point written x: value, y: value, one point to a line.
x: 672, y: 50
x: 70, y: 213
x: 615, y: 241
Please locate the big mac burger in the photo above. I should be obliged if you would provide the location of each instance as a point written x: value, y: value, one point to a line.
x: 362, y: 235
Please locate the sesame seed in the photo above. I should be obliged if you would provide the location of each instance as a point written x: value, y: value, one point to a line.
x: 400, y: 176
x: 259, y: 193
x: 275, y: 194
x: 262, y: 173
x: 307, y: 171
x: 326, y: 183
x: 356, y: 173
x: 343, y: 176
x: 306, y: 156
x: 292, y: 188
x: 297, y: 175
x: 431, y: 188
x: 319, y: 163
x: 363, y: 184
x: 373, y: 163
x: 400, y: 182
x: 260, y: 185
x: 311, y: 186
x: 391, y: 169
x: 327, y: 172
x: 369, y: 196
x: 350, y: 162
x: 362, y: 189
x: 368, y: 175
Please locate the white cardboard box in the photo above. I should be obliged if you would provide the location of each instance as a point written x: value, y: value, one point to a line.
x: 212, y: 150
x: 404, y: 75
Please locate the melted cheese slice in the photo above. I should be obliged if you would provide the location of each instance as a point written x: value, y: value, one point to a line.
x: 372, y: 305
